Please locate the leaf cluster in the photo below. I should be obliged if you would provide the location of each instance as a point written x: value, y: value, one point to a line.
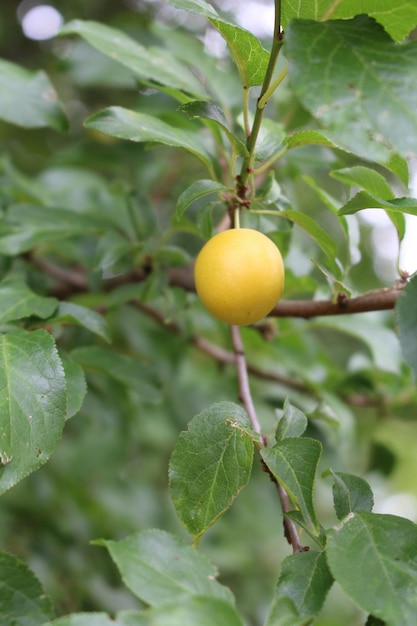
x: 122, y: 155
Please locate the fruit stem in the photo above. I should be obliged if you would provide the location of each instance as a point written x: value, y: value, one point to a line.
x: 236, y: 217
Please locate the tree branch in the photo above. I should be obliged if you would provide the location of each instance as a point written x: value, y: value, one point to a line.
x: 71, y: 281
x: 290, y: 528
x: 245, y: 395
x: 375, y: 300
x: 224, y: 356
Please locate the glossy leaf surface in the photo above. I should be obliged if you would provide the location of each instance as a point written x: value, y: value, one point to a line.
x: 342, y: 69
x: 32, y: 403
x: 134, y: 126
x: 374, y: 558
x: 23, y: 602
x: 152, y: 64
x: 406, y: 310
x: 306, y: 579
x: 210, y: 465
x: 29, y: 99
x: 162, y: 569
x: 293, y: 462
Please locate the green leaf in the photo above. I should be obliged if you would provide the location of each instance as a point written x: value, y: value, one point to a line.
x: 134, y: 126
x: 308, y: 137
x: 332, y: 204
x: 365, y: 177
x: 294, y: 462
x: 398, y: 17
x: 198, y: 189
x: 135, y: 618
x: 29, y: 225
x: 399, y: 167
x: 250, y: 57
x: 336, y: 285
x: 357, y: 82
x: 317, y: 535
x: 23, y: 602
x: 70, y: 313
x: 171, y: 256
x: 375, y: 184
x: 193, y: 611
x: 127, y: 370
x: 364, y: 200
x: 28, y: 99
x: 310, y: 226
x: 113, y: 254
x: 306, y: 579
x: 395, y: 163
x: 284, y: 613
x: 32, y: 403
x: 18, y: 301
x: 151, y: 64
x: 210, y: 465
x: 161, y: 569
x: 200, y: 7
x: 270, y: 140
x: 374, y: 559
x: 214, y: 117
x: 292, y: 422
x: 406, y: 318
x: 350, y: 494
x: 380, y: 341
x: 76, y: 386
x: 20, y: 184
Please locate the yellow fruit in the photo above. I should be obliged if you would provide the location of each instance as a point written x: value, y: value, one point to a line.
x: 239, y: 276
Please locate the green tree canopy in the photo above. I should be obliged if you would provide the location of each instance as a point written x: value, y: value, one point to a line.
x: 261, y: 475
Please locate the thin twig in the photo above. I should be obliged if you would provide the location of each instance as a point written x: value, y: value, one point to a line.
x: 228, y: 358
x: 73, y: 277
x: 242, y: 374
x: 221, y: 355
x: 290, y: 529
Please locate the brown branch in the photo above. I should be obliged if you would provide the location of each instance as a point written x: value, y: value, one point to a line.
x: 245, y: 395
x: 71, y: 277
x: 290, y: 528
x: 228, y: 358
x: 375, y: 300
x: 71, y: 281
x: 222, y: 355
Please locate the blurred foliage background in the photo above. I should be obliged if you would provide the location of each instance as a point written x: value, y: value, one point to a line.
x: 108, y: 476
